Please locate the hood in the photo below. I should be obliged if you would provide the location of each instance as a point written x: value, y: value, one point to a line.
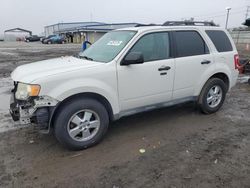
x: 33, y: 71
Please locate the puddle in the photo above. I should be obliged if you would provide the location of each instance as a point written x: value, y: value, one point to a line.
x: 6, y: 122
x: 4, y: 98
x: 8, y: 53
x: 243, y: 79
x: 5, y: 87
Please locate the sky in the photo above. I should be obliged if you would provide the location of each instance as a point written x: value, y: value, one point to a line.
x: 35, y: 14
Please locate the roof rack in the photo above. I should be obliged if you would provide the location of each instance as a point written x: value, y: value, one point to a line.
x: 144, y: 25
x: 188, y: 23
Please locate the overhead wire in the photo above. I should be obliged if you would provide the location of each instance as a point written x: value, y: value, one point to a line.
x: 221, y: 13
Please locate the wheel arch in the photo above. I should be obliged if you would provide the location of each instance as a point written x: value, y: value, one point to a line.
x: 224, y: 77
x: 90, y: 95
x: 221, y: 75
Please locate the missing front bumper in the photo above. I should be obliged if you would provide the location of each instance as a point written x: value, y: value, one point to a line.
x: 37, y: 110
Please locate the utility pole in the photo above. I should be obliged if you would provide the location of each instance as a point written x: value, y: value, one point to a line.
x: 91, y: 17
x: 248, y: 9
x: 228, y: 10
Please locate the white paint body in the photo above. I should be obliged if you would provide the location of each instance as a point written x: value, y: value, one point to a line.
x: 135, y: 86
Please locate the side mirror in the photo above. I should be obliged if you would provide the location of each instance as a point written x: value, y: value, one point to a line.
x: 133, y: 58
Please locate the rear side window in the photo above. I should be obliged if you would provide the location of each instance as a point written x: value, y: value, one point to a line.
x: 190, y: 43
x: 220, y: 40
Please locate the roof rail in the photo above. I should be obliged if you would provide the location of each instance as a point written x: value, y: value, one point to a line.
x: 188, y: 23
x: 144, y: 25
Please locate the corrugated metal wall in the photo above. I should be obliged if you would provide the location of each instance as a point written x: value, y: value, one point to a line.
x: 94, y: 36
x: 14, y: 36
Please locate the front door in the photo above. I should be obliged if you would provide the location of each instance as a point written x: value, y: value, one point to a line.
x: 149, y: 83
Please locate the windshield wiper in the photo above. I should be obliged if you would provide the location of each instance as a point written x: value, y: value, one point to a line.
x: 86, y: 57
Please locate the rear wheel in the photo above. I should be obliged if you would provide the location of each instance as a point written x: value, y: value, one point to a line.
x: 81, y: 123
x: 212, y: 96
x: 49, y: 42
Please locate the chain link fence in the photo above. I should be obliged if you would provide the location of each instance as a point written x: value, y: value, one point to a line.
x: 242, y: 41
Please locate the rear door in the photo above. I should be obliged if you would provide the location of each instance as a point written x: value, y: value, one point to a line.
x: 192, y: 60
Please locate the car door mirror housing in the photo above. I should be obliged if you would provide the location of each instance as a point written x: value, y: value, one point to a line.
x: 133, y: 58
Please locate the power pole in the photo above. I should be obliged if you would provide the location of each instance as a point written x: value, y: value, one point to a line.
x: 248, y: 9
x: 228, y: 10
x: 91, y: 17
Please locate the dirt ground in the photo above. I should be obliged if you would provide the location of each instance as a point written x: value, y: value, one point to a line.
x: 183, y: 148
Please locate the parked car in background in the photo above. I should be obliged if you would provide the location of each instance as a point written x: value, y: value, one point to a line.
x: 125, y: 72
x: 42, y: 37
x: 46, y: 38
x: 55, y: 40
x: 32, y: 38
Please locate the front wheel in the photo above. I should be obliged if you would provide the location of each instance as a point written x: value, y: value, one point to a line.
x: 212, y: 96
x: 81, y: 123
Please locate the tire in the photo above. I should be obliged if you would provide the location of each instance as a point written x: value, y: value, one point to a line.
x: 49, y: 42
x: 66, y: 124
x: 212, y: 96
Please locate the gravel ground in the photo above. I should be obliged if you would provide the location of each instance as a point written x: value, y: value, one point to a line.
x: 183, y: 148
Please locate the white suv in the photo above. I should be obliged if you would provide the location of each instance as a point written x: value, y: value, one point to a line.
x: 125, y: 72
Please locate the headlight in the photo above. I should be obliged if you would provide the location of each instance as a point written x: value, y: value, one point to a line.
x: 24, y: 91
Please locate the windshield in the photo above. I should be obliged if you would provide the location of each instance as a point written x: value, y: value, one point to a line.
x: 108, y: 47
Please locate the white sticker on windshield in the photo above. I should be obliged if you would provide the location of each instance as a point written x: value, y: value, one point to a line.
x: 114, y: 43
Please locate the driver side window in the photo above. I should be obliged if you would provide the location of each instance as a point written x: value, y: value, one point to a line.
x: 153, y: 46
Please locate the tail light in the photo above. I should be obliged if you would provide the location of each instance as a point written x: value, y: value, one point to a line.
x: 237, y: 62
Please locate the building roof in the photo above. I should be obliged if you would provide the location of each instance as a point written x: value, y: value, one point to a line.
x: 18, y: 30
x: 74, y: 23
x: 98, y: 27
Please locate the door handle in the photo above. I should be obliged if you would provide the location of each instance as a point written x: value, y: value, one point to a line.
x: 164, y: 68
x: 163, y: 73
x: 205, y: 62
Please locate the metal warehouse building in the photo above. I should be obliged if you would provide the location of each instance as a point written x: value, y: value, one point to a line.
x: 84, y: 31
x: 56, y: 28
x: 16, y: 34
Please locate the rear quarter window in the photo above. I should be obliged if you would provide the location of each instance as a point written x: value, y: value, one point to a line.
x: 220, y: 40
x: 190, y: 43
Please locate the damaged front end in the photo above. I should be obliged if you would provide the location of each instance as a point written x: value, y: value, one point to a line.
x: 33, y: 110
